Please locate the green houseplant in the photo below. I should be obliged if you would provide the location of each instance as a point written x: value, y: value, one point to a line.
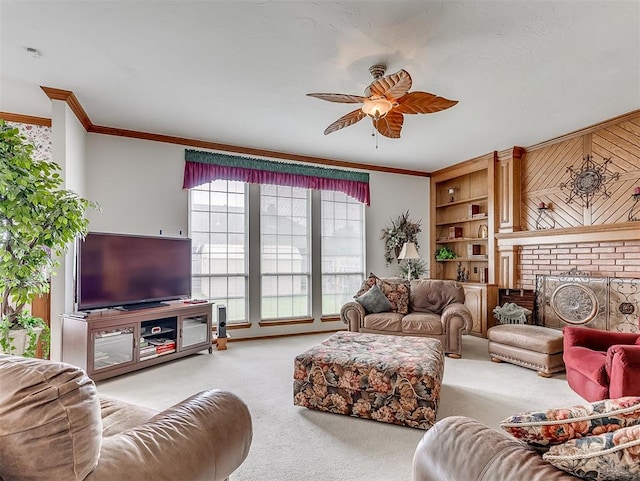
x: 38, y: 220
x: 412, y: 268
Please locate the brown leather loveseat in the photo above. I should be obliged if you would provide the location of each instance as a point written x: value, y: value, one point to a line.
x: 433, y: 308
x: 54, y: 426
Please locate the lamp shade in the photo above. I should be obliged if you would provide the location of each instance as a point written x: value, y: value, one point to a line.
x: 408, y: 251
x: 377, y: 108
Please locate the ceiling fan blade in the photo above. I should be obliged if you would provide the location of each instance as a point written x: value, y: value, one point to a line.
x: 392, y: 86
x: 423, y: 103
x: 345, y: 121
x: 340, y: 98
x: 390, y: 125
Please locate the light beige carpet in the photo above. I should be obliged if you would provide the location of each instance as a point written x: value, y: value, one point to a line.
x: 291, y: 443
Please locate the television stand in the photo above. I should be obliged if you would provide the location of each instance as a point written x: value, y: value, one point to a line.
x: 143, y: 305
x: 114, y: 341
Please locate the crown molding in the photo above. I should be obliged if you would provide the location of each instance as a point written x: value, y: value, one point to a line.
x: 72, y: 101
x: 25, y: 119
x: 69, y: 97
x: 236, y: 149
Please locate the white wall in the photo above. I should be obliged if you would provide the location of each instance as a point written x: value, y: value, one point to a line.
x: 138, y: 185
x: 391, y: 196
x: 68, y: 151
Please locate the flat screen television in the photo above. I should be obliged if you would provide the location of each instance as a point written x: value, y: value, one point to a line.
x: 131, y: 271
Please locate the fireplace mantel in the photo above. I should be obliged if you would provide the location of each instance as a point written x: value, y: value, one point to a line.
x: 569, y: 235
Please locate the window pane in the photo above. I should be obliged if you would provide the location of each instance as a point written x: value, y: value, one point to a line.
x: 285, y: 239
x: 343, y: 252
x: 219, y: 241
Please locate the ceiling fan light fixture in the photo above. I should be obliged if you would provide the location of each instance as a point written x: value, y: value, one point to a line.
x: 377, y: 108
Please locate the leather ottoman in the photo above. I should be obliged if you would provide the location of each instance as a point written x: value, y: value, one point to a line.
x: 392, y: 379
x: 534, y: 347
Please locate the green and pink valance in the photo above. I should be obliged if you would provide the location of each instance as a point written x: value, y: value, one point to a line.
x: 203, y: 167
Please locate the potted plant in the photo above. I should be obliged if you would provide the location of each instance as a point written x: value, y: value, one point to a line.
x: 38, y: 221
x: 412, y: 268
x: 444, y: 253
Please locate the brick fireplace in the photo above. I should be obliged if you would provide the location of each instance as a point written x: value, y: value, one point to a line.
x: 598, y: 259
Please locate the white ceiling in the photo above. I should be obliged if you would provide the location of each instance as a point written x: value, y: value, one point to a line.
x: 236, y: 72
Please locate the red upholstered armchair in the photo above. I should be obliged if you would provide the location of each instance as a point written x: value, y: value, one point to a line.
x: 602, y: 364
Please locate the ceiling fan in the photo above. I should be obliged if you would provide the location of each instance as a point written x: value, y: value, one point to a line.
x: 385, y: 100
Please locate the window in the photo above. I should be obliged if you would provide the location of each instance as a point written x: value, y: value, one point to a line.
x: 281, y: 236
x: 285, y: 234
x: 218, y: 229
x: 343, y: 249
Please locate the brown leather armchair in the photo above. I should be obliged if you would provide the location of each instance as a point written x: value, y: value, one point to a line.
x: 602, y: 364
x: 54, y: 426
x: 489, y: 455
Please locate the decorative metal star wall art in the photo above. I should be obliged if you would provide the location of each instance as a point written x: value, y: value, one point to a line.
x: 589, y: 181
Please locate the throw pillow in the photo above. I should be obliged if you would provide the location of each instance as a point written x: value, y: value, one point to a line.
x: 374, y: 301
x: 366, y: 284
x: 542, y: 429
x: 397, y: 293
x: 611, y: 456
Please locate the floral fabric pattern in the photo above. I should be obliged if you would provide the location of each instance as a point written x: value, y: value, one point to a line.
x: 612, y: 456
x: 542, y: 429
x: 39, y: 136
x: 392, y: 379
x: 397, y: 292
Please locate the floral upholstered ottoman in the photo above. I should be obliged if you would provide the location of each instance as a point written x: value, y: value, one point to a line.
x: 393, y: 379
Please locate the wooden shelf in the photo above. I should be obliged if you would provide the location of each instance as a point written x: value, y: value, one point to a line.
x: 449, y: 240
x: 465, y: 259
x: 593, y: 233
x: 464, y: 201
x: 462, y: 220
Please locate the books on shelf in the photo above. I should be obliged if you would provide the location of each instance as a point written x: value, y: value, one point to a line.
x: 161, y: 341
x: 162, y: 345
x: 168, y: 349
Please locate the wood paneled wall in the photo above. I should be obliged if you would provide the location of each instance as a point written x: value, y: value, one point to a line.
x: 544, y: 169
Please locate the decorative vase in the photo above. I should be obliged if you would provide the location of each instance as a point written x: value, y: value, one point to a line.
x: 20, y: 341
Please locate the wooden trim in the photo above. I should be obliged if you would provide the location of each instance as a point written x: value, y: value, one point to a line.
x: 515, y: 152
x: 69, y: 97
x: 287, y: 322
x: 239, y: 325
x: 204, y: 144
x: 329, y: 318
x: 586, y: 130
x: 466, y: 167
x: 582, y: 234
x: 274, y: 336
x: 72, y: 101
x: 25, y: 119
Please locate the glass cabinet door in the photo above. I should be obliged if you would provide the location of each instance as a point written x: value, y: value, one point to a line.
x: 113, y: 347
x: 194, y: 331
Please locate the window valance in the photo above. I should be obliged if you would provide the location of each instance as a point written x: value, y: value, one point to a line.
x: 203, y: 167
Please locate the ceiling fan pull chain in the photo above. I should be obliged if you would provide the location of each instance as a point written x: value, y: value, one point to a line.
x: 374, y: 132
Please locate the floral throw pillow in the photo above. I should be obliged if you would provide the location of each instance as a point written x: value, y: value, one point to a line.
x: 542, y: 429
x: 613, y: 456
x: 366, y: 284
x: 397, y: 293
